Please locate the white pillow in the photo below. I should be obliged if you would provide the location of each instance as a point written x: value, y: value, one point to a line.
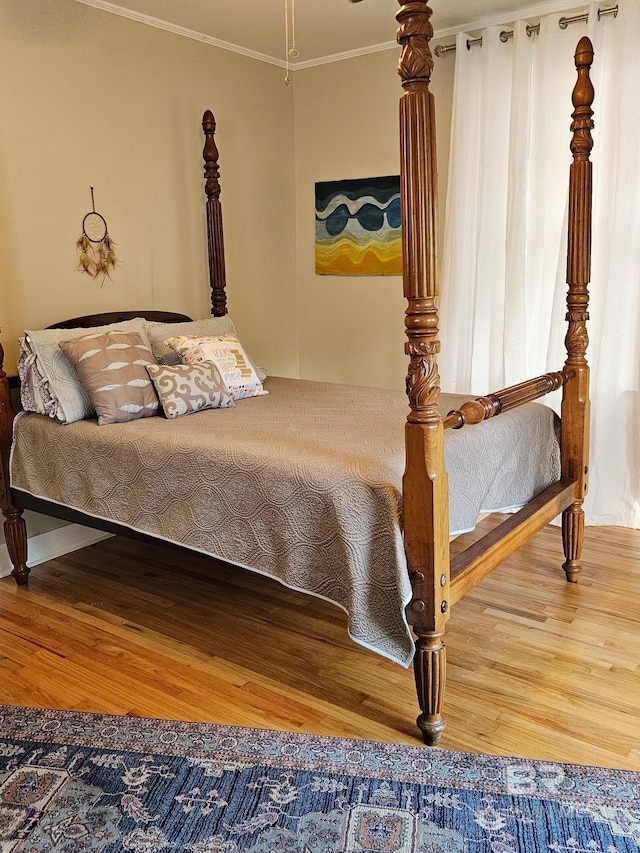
x: 228, y: 354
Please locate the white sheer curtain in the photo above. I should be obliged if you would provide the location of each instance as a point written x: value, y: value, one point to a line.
x: 504, y: 263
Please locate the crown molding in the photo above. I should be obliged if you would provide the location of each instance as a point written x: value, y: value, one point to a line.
x: 159, y: 24
x: 347, y: 54
x: 535, y: 10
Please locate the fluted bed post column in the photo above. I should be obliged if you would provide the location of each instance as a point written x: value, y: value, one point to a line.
x: 575, y: 400
x: 15, y: 531
x: 215, y: 239
x: 426, y: 500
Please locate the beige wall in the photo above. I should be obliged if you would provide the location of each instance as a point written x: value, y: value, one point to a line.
x: 90, y: 98
x: 351, y: 329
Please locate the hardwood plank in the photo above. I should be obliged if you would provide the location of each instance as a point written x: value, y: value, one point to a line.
x: 537, y: 667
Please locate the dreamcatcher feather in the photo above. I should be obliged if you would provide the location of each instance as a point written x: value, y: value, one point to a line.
x: 97, y: 255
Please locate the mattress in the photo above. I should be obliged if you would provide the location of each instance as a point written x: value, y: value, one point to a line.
x: 302, y: 484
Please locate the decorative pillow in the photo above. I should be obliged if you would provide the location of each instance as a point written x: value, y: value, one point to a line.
x: 211, y: 326
x: 69, y: 400
x: 113, y: 368
x: 187, y: 388
x: 34, y: 390
x: 228, y: 354
x: 159, y: 332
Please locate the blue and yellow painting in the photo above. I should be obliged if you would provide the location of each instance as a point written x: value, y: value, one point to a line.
x: 358, y: 227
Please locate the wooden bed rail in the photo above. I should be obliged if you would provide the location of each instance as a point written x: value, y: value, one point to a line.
x: 483, y: 408
x: 478, y: 560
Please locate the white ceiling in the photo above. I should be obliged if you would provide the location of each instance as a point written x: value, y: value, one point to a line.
x: 324, y: 28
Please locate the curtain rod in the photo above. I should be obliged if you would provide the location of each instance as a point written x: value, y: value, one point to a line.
x: 532, y: 29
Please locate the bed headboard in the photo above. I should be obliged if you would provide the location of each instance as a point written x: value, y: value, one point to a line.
x: 91, y: 320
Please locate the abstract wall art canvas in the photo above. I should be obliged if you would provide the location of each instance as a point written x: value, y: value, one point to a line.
x: 358, y: 227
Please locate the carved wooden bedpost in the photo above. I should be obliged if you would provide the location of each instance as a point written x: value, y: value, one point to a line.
x: 15, y: 531
x: 575, y: 400
x: 215, y: 240
x: 425, y: 487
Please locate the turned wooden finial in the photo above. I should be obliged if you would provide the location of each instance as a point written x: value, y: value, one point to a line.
x: 414, y: 34
x: 215, y: 239
x: 583, y: 95
x: 579, y: 247
x: 210, y: 156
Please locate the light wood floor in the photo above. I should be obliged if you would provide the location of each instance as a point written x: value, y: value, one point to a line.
x: 537, y: 667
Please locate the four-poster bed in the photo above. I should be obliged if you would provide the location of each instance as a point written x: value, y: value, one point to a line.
x: 410, y: 511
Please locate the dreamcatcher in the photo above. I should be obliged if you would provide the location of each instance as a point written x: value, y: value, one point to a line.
x: 97, y: 256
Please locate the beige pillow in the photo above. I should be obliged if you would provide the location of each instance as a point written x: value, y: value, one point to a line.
x: 210, y: 326
x: 228, y: 354
x: 187, y: 388
x: 112, y: 368
x: 159, y: 332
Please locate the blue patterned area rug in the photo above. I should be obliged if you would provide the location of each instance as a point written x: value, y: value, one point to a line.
x: 83, y: 782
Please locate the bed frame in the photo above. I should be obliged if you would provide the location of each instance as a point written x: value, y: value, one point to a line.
x: 437, y: 581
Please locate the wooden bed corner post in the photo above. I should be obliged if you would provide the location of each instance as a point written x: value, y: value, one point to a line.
x: 215, y: 239
x: 15, y: 531
x: 575, y: 398
x: 425, y: 487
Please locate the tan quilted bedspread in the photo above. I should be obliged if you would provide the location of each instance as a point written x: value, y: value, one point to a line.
x: 302, y: 484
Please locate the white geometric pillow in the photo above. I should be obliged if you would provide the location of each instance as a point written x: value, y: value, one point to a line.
x: 228, y: 354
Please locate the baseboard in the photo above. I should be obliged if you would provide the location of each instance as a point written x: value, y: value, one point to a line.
x: 54, y: 543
